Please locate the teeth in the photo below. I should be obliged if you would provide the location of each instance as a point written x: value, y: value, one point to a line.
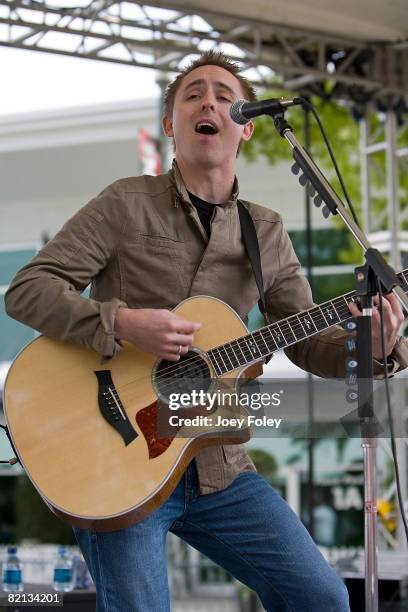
x: 208, y: 127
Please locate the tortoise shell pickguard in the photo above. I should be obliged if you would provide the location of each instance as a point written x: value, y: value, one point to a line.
x: 150, y: 423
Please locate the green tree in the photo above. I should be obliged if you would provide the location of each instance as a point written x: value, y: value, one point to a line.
x: 344, y: 136
x: 342, y: 130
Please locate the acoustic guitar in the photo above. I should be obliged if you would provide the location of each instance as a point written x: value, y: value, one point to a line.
x: 90, y: 436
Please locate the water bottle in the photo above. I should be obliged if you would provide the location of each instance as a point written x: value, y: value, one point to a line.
x: 12, y: 575
x: 63, y: 578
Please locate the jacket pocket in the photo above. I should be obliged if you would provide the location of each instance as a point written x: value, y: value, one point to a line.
x: 153, y: 269
x: 156, y: 242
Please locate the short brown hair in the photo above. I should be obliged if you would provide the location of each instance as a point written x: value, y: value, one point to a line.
x: 209, y: 58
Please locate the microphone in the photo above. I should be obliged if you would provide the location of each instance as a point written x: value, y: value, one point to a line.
x: 242, y: 111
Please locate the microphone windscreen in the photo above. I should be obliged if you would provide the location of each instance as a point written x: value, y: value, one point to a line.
x: 236, y: 112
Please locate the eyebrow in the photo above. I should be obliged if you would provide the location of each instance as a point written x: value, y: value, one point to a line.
x: 202, y: 81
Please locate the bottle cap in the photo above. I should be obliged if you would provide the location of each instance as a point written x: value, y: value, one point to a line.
x: 12, y: 550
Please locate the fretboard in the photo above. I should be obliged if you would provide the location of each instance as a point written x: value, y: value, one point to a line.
x: 266, y: 340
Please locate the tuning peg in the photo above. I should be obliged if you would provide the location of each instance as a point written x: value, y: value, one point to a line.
x: 325, y: 212
x: 350, y: 344
x: 317, y: 200
x: 351, y: 396
x: 351, y: 325
x: 351, y: 378
x: 295, y: 168
x: 351, y: 364
x: 303, y: 179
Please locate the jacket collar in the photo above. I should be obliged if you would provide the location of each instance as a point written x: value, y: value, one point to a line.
x: 182, y: 193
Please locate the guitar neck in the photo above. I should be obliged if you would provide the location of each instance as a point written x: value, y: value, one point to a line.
x: 286, y: 332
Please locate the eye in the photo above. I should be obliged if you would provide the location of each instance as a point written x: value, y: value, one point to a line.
x: 224, y: 98
x: 192, y: 96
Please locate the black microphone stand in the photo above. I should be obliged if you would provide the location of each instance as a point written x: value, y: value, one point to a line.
x: 375, y: 270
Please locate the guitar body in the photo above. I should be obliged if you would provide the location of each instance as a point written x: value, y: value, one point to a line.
x: 87, y: 471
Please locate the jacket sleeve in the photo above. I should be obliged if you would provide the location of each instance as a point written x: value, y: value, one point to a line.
x: 323, y: 354
x: 45, y: 294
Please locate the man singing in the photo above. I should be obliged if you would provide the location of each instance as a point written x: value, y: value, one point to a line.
x: 147, y: 243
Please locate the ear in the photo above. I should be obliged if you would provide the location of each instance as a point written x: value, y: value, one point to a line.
x: 248, y: 130
x: 167, y: 126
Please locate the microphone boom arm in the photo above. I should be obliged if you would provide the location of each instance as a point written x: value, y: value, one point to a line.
x: 374, y: 258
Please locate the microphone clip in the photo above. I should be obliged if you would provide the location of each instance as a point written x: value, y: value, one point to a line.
x: 279, y: 120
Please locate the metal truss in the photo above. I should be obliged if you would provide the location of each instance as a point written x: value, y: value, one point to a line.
x: 384, y: 175
x: 384, y: 167
x: 148, y: 35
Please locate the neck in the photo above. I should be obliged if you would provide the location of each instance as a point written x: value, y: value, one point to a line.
x: 210, y: 184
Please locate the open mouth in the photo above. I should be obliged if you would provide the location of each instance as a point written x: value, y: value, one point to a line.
x: 204, y: 127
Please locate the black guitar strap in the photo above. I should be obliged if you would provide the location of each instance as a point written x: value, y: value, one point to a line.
x: 252, y: 248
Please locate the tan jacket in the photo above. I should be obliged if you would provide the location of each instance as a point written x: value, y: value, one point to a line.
x: 140, y: 244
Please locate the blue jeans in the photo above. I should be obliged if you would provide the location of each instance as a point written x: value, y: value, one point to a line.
x: 247, y: 528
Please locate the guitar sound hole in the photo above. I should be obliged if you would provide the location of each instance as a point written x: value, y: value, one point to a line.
x: 190, y: 374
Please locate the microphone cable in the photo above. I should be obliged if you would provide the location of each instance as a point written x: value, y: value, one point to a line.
x: 390, y: 417
x: 311, y: 108
x: 306, y: 104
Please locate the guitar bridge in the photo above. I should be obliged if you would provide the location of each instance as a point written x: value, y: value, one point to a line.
x: 111, y: 407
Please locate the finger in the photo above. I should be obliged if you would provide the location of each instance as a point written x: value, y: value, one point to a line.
x: 391, y: 326
x: 175, y: 349
x: 354, y: 309
x: 395, y: 306
x: 376, y: 319
x: 182, y: 349
x: 391, y: 320
x: 385, y: 304
x: 390, y: 299
x: 184, y: 339
x: 182, y: 326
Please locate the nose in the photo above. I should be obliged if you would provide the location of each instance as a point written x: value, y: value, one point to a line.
x: 208, y: 101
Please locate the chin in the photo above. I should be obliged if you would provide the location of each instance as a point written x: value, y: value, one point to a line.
x: 207, y: 158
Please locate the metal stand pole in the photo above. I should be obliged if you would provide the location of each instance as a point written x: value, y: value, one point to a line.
x: 369, y: 446
x: 375, y: 267
x: 310, y: 496
x: 369, y: 426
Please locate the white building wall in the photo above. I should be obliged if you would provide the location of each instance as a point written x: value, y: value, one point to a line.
x: 52, y: 163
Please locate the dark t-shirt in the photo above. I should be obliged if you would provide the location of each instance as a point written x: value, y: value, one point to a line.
x: 205, y: 211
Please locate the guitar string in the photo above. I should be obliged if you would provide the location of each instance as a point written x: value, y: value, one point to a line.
x: 295, y: 328
x: 228, y: 354
x: 242, y: 342
x: 266, y: 329
x: 247, y: 353
x: 315, y: 315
